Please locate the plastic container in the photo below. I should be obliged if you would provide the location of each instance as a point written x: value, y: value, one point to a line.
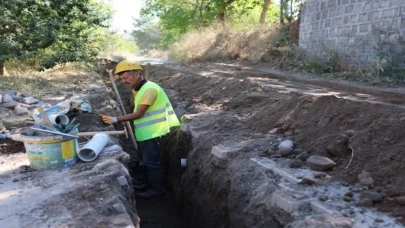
x: 51, y: 152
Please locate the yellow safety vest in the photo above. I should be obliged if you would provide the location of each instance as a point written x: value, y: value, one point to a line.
x: 158, y: 118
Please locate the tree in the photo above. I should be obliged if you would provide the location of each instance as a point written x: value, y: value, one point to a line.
x: 265, y: 9
x: 146, y: 33
x: 178, y: 17
x: 59, y: 30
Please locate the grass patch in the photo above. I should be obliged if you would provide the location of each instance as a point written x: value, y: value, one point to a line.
x: 68, y: 78
x: 277, y: 46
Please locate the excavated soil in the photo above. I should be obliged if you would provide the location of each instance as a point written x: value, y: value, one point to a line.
x: 240, y: 103
x: 314, y: 113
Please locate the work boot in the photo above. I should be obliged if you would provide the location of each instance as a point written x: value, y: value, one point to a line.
x: 156, y: 186
x: 139, y: 180
x: 139, y: 187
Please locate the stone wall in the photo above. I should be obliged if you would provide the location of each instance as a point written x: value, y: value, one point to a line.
x: 359, y: 30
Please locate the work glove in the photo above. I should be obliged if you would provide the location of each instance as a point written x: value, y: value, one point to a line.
x: 109, y: 119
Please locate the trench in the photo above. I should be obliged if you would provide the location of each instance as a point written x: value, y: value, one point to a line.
x: 164, y: 212
x: 254, y: 187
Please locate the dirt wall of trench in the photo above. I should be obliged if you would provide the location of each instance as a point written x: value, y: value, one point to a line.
x: 372, y: 131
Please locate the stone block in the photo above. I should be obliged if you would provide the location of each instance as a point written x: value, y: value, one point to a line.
x: 349, y: 9
x: 331, y: 3
x: 345, y: 2
x: 122, y: 181
x: 338, y: 22
x: 382, y: 37
x: 340, y: 11
x: 358, y: 8
x: 388, y: 13
x: 119, y: 208
x: 364, y: 28
x: 221, y: 151
x: 355, y: 29
x: 287, y: 203
x: 367, y: 7
x: 353, y: 18
x: 393, y: 37
x: 332, y: 12
x: 375, y: 16
x: 403, y: 10
x: 372, y: 38
x: 397, y: 12
x: 324, y: 14
x: 343, y: 39
x: 346, y: 20
x: 375, y: 27
x: 323, y: 5
x: 375, y: 6
x: 403, y: 23
x: 386, y: 25
x: 363, y: 17
x: 385, y: 4
x: 320, y: 208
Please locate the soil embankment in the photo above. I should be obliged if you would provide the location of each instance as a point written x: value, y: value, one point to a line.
x: 237, y: 116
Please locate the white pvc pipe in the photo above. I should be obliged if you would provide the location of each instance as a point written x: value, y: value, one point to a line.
x: 59, y: 119
x: 183, y: 162
x: 92, y: 149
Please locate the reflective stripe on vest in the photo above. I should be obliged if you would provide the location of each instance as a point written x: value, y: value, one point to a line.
x: 144, y: 124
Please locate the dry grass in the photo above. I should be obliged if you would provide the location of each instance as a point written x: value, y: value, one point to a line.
x: 63, y: 78
x: 216, y: 43
x: 277, y: 46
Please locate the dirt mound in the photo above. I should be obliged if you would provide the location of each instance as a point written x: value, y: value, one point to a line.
x: 9, y: 146
x: 372, y: 128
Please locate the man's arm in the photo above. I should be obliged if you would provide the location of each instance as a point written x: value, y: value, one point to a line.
x: 133, y: 116
x: 147, y: 100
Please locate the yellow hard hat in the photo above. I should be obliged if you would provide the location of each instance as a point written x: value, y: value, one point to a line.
x: 126, y: 65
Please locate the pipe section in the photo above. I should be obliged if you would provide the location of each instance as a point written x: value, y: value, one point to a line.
x: 59, y: 119
x: 92, y: 149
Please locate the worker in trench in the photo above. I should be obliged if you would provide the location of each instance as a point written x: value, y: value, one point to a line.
x: 153, y: 116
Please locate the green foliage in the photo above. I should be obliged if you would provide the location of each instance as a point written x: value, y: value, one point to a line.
x: 146, y: 33
x: 251, y: 19
x: 177, y: 18
x: 110, y: 43
x: 389, y: 62
x: 283, y: 37
x: 53, y: 32
x: 332, y: 63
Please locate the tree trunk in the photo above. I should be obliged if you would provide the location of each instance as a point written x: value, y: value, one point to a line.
x: 222, y: 14
x: 282, y: 11
x: 202, y: 19
x: 264, y: 11
x: 221, y: 18
x: 1, y: 68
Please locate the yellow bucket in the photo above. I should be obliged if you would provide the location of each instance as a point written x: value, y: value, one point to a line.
x: 51, y: 152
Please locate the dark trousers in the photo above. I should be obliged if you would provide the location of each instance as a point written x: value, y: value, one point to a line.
x: 150, y: 154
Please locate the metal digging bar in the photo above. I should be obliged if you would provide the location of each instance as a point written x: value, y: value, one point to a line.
x: 127, y: 124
